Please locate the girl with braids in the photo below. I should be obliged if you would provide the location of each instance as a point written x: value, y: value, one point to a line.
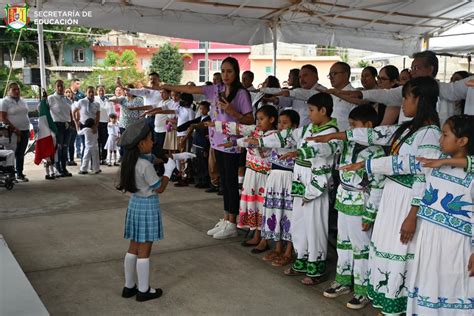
x: 391, y: 251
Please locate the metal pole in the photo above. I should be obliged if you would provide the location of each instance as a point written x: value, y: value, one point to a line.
x: 206, y: 60
x: 275, y: 47
x: 445, y: 64
x: 41, y: 49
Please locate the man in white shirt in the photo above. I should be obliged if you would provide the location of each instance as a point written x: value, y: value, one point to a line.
x: 106, y: 108
x: 296, y: 99
x: 60, y: 108
x: 247, y: 81
x: 424, y: 64
x: 339, y: 75
x: 84, y: 109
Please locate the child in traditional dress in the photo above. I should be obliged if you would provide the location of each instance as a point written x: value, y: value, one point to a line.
x: 258, y: 167
x: 440, y: 280
x: 391, y: 252
x: 143, y: 224
x: 113, y: 130
x: 90, y: 159
x: 357, y: 200
x: 278, y: 205
x: 311, y: 177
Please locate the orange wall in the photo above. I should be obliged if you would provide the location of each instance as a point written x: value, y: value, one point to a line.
x: 258, y: 66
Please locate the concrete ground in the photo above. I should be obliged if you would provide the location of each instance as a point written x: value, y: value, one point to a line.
x: 67, y: 235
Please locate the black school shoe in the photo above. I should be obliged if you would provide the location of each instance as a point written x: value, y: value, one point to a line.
x: 129, y: 292
x: 142, y: 297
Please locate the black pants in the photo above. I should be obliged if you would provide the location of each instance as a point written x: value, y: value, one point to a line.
x: 20, y: 151
x: 62, y: 143
x: 158, y: 142
x: 228, y: 166
x: 103, y: 135
x: 202, y: 166
x: 72, y: 141
x: 121, y: 149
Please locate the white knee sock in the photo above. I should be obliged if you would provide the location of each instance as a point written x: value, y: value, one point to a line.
x: 143, y: 273
x: 129, y: 265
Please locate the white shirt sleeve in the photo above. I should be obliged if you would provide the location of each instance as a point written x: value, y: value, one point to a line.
x: 389, y: 97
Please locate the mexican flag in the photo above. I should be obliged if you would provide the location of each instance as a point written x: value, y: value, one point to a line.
x: 46, y: 138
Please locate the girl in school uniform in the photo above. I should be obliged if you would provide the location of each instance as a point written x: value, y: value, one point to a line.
x: 391, y: 251
x: 440, y: 280
x: 143, y: 224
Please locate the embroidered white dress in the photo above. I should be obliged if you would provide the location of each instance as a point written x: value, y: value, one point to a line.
x: 388, y: 257
x: 311, y: 177
x: 257, y: 168
x: 114, y: 131
x: 438, y: 281
x: 278, y: 205
x: 357, y: 200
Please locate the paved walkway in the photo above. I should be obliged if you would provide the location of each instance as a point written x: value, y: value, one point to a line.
x: 67, y: 235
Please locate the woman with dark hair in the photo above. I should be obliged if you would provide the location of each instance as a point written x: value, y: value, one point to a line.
x: 271, y: 82
x: 230, y: 102
x: 387, y: 79
x: 14, y: 112
x: 294, y: 78
x: 368, y: 78
x: 459, y: 75
x: 405, y: 75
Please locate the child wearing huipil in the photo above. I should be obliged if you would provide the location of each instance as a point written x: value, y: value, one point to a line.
x: 278, y: 205
x: 258, y: 167
x: 111, y: 144
x: 357, y: 200
x: 391, y: 252
x: 440, y: 281
x: 311, y: 177
x: 143, y: 223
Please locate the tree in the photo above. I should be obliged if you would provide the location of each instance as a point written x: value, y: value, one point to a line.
x: 362, y: 63
x: 55, y: 42
x: 116, y: 65
x: 27, y: 47
x: 168, y: 62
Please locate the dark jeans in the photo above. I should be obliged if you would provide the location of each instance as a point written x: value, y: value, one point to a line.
x: 72, y: 141
x: 202, y: 170
x: 158, y: 142
x: 62, y: 142
x: 121, y: 149
x: 20, y: 151
x: 228, y: 166
x: 103, y: 135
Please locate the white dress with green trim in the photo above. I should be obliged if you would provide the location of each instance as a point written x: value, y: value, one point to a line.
x: 388, y: 257
x: 311, y: 177
x: 357, y: 200
x: 438, y: 280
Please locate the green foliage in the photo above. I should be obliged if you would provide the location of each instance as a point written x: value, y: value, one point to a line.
x: 168, y: 62
x: 27, y: 48
x: 326, y: 50
x: 26, y: 91
x: 116, y: 65
x: 362, y: 63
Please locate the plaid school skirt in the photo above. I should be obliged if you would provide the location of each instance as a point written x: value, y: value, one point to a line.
x: 143, y: 221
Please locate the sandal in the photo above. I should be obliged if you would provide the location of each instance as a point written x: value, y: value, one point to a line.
x: 311, y: 280
x: 272, y: 255
x: 291, y: 272
x: 282, y: 261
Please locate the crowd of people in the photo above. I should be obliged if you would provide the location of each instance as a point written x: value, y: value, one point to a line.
x: 393, y: 159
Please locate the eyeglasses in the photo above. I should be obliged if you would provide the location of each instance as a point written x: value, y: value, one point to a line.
x: 416, y: 67
x: 334, y: 73
x: 382, y: 78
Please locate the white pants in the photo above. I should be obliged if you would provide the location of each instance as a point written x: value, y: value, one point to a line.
x: 352, y: 253
x: 90, y: 159
x: 310, y: 228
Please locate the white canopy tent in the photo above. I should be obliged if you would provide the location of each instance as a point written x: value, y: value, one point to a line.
x: 396, y: 27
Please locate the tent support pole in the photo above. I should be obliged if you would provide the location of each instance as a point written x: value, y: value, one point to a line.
x: 275, y: 48
x: 41, y: 50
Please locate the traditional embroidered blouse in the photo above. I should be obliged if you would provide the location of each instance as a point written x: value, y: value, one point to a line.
x: 449, y: 194
x: 424, y: 143
x: 257, y: 159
